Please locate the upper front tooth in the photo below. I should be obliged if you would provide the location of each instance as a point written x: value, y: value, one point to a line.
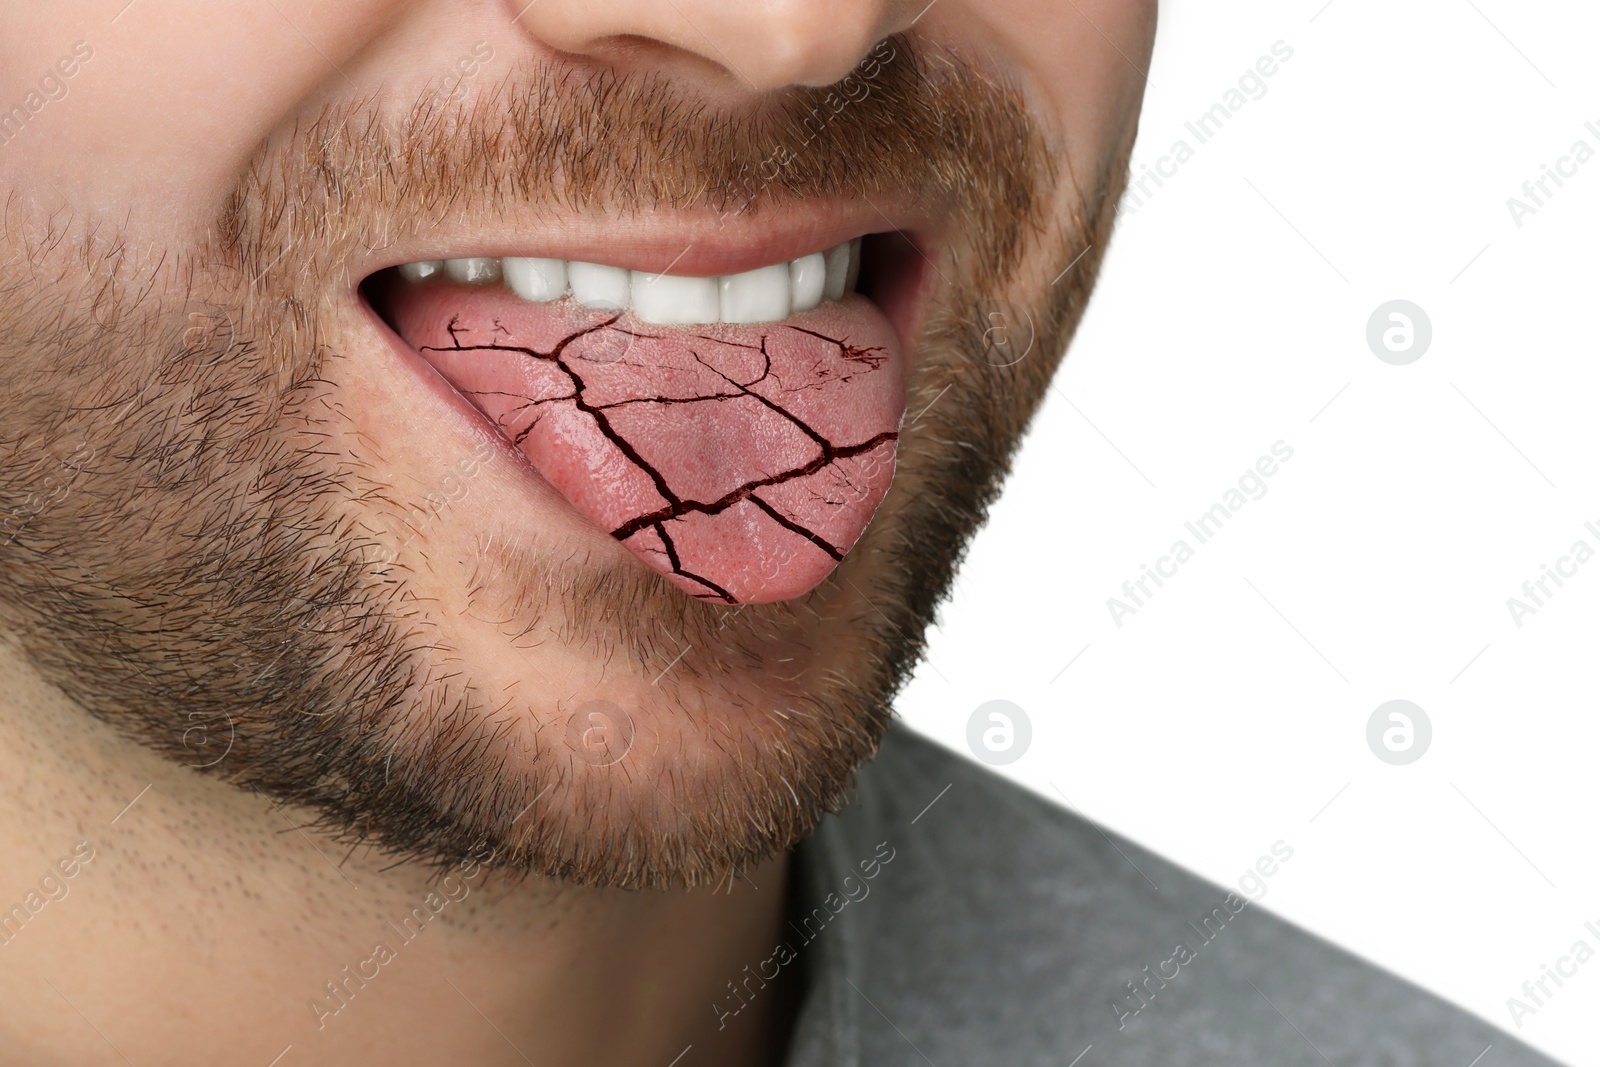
x: 671, y: 299
x: 760, y: 295
x: 595, y: 285
x: 807, y: 279
x: 536, y: 279
x: 476, y: 270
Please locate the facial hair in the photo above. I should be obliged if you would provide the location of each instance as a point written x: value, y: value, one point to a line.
x: 189, y: 555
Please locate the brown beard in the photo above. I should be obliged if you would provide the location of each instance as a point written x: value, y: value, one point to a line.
x: 189, y: 555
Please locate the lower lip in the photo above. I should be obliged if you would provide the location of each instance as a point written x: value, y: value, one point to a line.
x: 729, y: 497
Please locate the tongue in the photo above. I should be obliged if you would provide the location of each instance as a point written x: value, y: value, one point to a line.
x: 741, y: 462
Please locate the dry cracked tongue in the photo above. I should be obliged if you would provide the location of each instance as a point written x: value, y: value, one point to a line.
x: 741, y: 462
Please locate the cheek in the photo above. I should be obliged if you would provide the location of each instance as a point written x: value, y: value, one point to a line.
x: 174, y: 102
x: 1085, y: 92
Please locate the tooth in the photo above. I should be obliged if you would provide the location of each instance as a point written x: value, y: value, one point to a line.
x: 474, y: 271
x: 807, y: 279
x: 673, y: 299
x: 415, y: 272
x: 760, y: 295
x: 838, y: 270
x: 853, y: 273
x: 535, y: 279
x: 598, y: 286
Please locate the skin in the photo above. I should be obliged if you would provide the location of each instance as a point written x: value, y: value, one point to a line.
x: 208, y: 916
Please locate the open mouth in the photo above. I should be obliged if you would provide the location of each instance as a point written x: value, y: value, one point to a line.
x: 736, y: 433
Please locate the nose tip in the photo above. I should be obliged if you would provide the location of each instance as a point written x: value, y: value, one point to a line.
x: 806, y: 44
x: 765, y: 44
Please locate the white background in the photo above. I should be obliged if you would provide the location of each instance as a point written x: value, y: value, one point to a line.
x: 1230, y: 711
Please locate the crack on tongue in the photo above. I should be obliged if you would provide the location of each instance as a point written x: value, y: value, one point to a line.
x: 566, y: 352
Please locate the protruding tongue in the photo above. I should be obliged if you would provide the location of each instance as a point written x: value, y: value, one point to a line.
x: 742, y: 462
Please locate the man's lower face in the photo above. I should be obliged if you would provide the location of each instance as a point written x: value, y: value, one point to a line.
x: 568, y: 480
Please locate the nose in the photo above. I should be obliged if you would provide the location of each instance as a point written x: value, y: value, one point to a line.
x: 763, y: 44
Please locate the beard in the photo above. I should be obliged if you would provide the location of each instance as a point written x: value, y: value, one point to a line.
x: 203, y: 547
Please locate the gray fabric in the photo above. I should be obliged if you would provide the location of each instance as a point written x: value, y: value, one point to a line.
x: 1004, y: 928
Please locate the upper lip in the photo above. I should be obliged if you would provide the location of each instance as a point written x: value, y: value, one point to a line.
x: 700, y: 243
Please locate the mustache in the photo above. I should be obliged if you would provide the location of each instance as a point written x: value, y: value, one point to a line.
x: 912, y: 120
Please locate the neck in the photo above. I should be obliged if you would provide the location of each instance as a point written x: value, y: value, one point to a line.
x: 151, y: 909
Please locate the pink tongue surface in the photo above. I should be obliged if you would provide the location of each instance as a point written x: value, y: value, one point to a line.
x: 741, y: 462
